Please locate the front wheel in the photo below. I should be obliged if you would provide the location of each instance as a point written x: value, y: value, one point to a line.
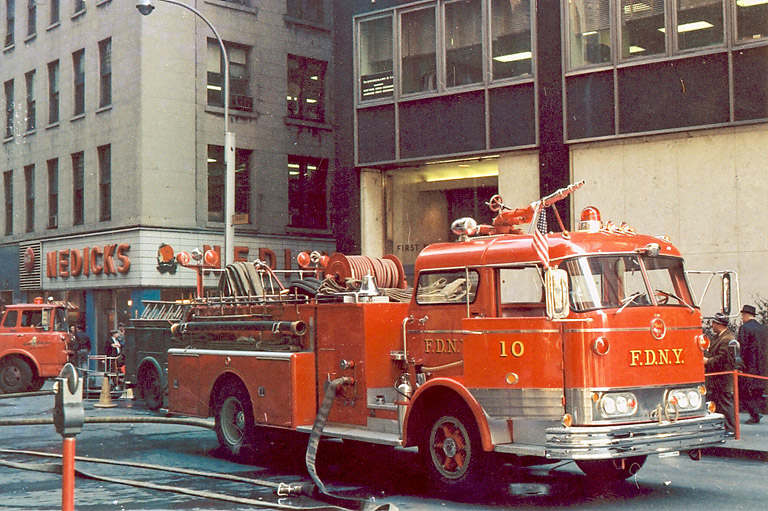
x: 15, y: 375
x: 452, y: 451
x: 616, y: 469
x: 151, y: 388
x: 234, y: 420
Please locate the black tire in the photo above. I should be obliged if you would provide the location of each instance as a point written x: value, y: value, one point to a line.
x: 235, y: 427
x: 36, y: 384
x: 15, y: 375
x: 151, y: 388
x: 452, y: 452
x: 617, y: 469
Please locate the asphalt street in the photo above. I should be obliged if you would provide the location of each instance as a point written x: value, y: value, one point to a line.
x: 726, y: 480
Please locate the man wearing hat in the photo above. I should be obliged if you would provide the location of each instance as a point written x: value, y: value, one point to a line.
x: 720, y: 357
x: 753, y: 338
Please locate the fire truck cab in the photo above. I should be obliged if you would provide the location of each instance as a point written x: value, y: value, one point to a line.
x: 34, y: 345
x: 591, y: 350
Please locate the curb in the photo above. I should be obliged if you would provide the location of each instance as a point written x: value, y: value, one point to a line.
x: 736, y: 453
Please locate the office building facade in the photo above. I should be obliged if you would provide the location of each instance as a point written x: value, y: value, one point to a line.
x: 113, y: 145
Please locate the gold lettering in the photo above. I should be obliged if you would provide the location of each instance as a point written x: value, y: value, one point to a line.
x: 503, y: 347
x: 427, y: 345
x: 517, y: 349
x: 650, y: 357
x: 635, y: 358
x: 451, y: 346
x: 678, y: 354
x: 663, y: 357
x: 439, y: 345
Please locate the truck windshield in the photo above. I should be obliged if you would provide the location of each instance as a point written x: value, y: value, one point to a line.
x: 615, y: 281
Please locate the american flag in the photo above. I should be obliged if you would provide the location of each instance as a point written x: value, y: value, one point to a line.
x: 540, y: 244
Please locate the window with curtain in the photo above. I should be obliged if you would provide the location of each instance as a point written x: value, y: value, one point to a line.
x: 418, y: 51
x: 463, y: 42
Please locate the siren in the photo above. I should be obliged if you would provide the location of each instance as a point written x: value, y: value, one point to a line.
x: 590, y: 219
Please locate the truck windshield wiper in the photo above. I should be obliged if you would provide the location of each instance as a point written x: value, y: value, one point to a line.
x: 673, y: 295
x: 631, y: 298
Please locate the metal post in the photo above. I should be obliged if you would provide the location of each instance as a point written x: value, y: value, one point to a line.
x: 68, y: 474
x: 229, y: 143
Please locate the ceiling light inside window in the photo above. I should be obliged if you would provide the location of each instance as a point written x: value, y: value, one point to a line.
x: 690, y: 27
x: 750, y: 3
x: 513, y: 57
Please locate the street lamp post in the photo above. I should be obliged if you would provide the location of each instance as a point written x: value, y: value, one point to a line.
x: 145, y: 7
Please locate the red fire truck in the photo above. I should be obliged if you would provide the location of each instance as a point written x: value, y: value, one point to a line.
x: 523, y: 347
x: 34, y: 344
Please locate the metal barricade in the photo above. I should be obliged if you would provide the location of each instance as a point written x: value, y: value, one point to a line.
x: 93, y: 375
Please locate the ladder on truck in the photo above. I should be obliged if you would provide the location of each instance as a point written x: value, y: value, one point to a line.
x: 159, y: 311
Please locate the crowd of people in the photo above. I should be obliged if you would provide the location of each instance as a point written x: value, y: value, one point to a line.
x: 745, y: 352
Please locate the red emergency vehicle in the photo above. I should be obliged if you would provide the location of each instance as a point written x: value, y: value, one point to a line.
x: 525, y: 347
x: 34, y: 344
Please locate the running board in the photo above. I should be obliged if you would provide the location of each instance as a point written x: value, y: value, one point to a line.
x: 362, y: 435
x: 521, y: 449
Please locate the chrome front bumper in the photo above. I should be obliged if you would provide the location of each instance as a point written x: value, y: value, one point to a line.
x: 601, y: 442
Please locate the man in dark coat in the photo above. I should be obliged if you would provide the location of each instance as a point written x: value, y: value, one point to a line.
x: 720, y: 357
x: 753, y: 338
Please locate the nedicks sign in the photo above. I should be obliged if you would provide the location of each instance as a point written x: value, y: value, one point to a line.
x: 107, y: 260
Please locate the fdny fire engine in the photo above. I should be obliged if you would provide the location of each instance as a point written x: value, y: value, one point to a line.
x: 528, y: 348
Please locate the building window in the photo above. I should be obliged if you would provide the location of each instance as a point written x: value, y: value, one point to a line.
x: 31, y: 17
x: 9, y: 113
x: 216, y: 175
x: 511, y: 38
x: 306, y: 88
x: 653, y: 28
x: 306, y: 192
x: 29, y: 196
x: 31, y: 113
x: 751, y: 20
x: 376, y: 75
x: 53, y: 92
x: 8, y: 189
x: 590, y: 33
x: 105, y: 183
x: 463, y: 42
x: 418, y: 48
x: 78, y: 65
x: 55, y: 13
x: 239, y: 87
x: 53, y: 193
x: 308, y: 10
x: 78, y: 189
x: 79, y: 6
x: 105, y: 72
x: 10, y: 21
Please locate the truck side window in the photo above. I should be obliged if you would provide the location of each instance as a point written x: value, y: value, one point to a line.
x: 11, y: 318
x: 521, y: 291
x: 447, y: 287
x: 31, y: 318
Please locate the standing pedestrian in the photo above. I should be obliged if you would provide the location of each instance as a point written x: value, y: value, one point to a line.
x: 753, y: 337
x: 720, y: 357
x: 82, y: 346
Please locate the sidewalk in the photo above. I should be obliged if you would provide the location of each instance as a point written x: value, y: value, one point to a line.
x: 752, y: 445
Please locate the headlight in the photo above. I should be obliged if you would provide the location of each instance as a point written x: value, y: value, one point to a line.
x: 685, y: 399
x: 621, y: 404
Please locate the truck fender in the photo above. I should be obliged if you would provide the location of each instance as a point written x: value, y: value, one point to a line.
x: 431, y: 395
x: 26, y: 356
x: 152, y: 362
x: 225, y: 377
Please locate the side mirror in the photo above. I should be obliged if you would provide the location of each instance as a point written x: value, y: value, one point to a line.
x: 556, y: 285
x: 725, y: 294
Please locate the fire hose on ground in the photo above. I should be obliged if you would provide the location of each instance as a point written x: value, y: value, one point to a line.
x: 281, y: 489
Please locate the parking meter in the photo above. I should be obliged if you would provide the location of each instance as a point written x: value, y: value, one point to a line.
x: 68, y: 412
x: 736, y: 347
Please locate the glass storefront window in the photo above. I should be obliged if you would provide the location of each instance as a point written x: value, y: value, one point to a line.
x: 589, y: 31
x: 643, y: 28
x: 463, y: 42
x: 751, y: 19
x: 699, y: 23
x: 511, y: 38
x: 418, y: 51
x: 376, y: 76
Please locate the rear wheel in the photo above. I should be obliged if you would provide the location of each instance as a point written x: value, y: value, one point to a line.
x: 452, y: 451
x: 151, y: 388
x: 235, y: 427
x: 15, y: 375
x: 616, y: 469
x: 36, y: 384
